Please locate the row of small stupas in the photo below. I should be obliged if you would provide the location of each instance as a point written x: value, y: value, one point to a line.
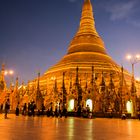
x: 86, y: 75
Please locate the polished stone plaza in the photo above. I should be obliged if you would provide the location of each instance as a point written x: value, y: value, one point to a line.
x: 44, y: 128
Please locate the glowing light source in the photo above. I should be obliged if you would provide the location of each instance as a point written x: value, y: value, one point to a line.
x: 133, y: 59
x: 89, y: 103
x: 129, y: 57
x: 129, y: 107
x: 138, y: 79
x: 11, y: 72
x: 6, y: 72
x: 138, y: 56
x: 71, y: 105
x: 53, y: 78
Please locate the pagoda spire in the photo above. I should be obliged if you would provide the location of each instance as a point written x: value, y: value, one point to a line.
x: 77, y: 78
x: 93, y: 84
x: 3, y: 72
x: 102, y: 84
x: 111, y: 84
x: 39, y: 98
x: 70, y: 83
x: 17, y: 83
x: 87, y: 39
x: 64, y: 90
x: 78, y: 87
x: 38, y: 86
x: 38, y: 92
x: 2, y: 80
x: 87, y: 23
x: 55, y: 89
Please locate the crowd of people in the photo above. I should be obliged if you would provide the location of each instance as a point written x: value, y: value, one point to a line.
x: 84, y: 112
x: 6, y: 108
x: 30, y: 109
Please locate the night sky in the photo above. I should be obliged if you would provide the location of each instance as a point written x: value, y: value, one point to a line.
x: 35, y: 34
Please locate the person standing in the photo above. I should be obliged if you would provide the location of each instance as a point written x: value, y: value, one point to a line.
x: 1, y: 108
x: 24, y: 109
x: 7, y: 107
x: 17, y: 110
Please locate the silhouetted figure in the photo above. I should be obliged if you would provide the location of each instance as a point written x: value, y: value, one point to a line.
x: 33, y: 107
x: 123, y: 116
x: 42, y: 109
x: 79, y: 111
x: 38, y: 112
x: 88, y: 110
x: 138, y: 115
x: 7, y: 107
x: 1, y: 108
x: 65, y: 112
x: 56, y: 111
x: 24, y: 109
x: 48, y: 113
x: 17, y: 110
x: 29, y: 109
x: 51, y: 112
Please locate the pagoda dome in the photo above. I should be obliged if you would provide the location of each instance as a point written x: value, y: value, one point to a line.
x: 86, y: 48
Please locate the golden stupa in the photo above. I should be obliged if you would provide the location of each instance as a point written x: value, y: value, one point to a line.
x: 86, y: 74
x: 85, y: 50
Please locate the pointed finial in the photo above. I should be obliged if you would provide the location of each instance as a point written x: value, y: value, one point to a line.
x: 86, y: 0
x: 87, y: 33
x: 16, y: 78
x: 3, y: 66
x: 38, y: 74
x: 87, y: 24
x: 122, y: 69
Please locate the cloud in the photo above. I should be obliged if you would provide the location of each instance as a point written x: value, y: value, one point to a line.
x: 124, y: 10
x: 135, y: 23
x: 121, y: 10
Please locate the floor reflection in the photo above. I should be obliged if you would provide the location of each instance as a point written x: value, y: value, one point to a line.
x: 43, y: 128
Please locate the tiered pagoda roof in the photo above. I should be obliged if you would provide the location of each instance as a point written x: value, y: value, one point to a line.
x: 86, y: 48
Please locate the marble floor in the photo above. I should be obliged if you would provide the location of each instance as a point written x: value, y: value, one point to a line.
x: 44, y: 128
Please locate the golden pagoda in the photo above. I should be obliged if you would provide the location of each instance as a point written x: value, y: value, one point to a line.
x: 86, y: 75
x: 86, y: 48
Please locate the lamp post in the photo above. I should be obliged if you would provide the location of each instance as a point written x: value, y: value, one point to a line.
x: 9, y: 72
x: 9, y: 92
x: 133, y: 60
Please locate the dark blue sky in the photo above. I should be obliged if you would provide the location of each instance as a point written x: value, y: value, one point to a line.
x: 35, y: 34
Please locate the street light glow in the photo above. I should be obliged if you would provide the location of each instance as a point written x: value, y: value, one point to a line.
x: 129, y: 57
x: 133, y: 58
x: 6, y: 72
x: 138, y: 79
x: 138, y: 56
x: 11, y: 72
